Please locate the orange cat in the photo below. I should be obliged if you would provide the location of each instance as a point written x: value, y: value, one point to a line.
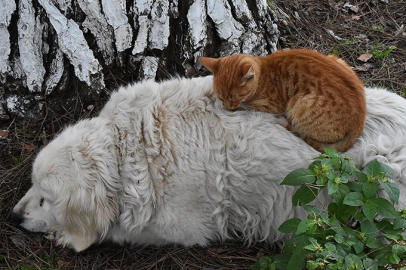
x: 321, y: 97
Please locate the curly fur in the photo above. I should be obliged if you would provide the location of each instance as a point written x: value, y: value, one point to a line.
x: 163, y: 163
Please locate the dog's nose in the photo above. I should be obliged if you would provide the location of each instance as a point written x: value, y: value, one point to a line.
x: 16, y: 217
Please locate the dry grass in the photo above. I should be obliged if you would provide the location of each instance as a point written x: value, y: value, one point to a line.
x: 304, y: 24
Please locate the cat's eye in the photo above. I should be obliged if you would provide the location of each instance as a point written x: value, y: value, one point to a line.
x: 41, y: 202
x: 249, y: 78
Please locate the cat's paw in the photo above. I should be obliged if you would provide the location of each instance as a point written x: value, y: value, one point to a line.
x: 284, y: 122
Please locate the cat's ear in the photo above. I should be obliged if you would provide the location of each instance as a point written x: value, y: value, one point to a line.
x: 247, y: 72
x: 211, y: 64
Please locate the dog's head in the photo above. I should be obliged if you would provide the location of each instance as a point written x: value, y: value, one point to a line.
x: 74, y: 186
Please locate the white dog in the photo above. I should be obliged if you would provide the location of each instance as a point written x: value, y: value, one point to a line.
x: 165, y: 164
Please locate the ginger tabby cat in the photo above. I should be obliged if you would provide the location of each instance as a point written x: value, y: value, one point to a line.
x: 321, y: 97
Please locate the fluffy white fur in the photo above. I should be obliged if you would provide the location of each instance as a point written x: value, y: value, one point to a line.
x: 165, y: 164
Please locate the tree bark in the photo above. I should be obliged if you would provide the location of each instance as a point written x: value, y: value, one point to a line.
x: 56, y: 53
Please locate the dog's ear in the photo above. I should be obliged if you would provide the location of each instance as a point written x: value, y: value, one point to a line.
x: 90, y: 205
x: 89, y: 215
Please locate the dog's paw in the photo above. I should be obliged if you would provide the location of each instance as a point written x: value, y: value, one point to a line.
x: 54, y: 234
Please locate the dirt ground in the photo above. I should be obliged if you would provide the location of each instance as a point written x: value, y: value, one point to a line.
x: 374, y: 30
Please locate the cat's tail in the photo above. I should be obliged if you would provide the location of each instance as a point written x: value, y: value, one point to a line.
x: 342, y: 145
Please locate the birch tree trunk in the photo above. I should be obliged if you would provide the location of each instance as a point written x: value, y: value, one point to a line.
x: 54, y: 52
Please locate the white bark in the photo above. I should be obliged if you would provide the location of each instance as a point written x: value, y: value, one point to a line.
x: 117, y: 18
x: 6, y: 9
x: 64, y: 5
x: 56, y: 71
x: 227, y: 27
x: 73, y: 44
x: 30, y: 46
x: 159, y: 32
x: 97, y: 24
x: 149, y: 66
x: 142, y: 10
x: 197, y: 19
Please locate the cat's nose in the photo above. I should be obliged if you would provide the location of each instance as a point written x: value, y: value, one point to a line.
x: 230, y: 105
x: 226, y: 106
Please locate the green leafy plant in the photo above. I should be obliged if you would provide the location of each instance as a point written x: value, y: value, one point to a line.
x: 378, y: 28
x: 359, y: 229
x: 379, y: 52
x: 344, y: 43
x: 16, y: 160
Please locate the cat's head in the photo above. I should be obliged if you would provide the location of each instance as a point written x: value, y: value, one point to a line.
x: 235, y: 78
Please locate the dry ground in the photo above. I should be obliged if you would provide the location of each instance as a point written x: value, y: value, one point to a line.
x: 371, y: 26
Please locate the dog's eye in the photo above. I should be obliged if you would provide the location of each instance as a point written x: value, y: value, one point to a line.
x: 41, y: 202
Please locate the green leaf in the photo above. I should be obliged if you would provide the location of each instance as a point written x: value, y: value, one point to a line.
x: 298, y: 177
x: 331, y: 175
x: 353, y: 199
x: 343, y: 190
x: 358, y: 215
x: 322, y: 180
x: 314, y: 166
x: 353, y: 261
x: 297, y: 261
x: 373, y: 168
x: 385, y: 208
x: 281, y: 260
x: 388, y: 171
x: 394, y: 258
x: 398, y: 249
x: 368, y: 228
x: 312, y: 265
x: 325, y: 218
x: 346, y: 166
x: 330, y: 247
x: 370, y: 189
x: 355, y: 186
x: 344, y: 178
x: 16, y: 160
x: 310, y: 209
x: 305, y: 226
x: 336, y: 226
x: 374, y: 243
x: 342, y: 212
x: 304, y: 195
x: 391, y: 189
x: 332, y: 187
x: 369, y: 210
x: 264, y: 263
x: 362, y: 177
x: 384, y: 225
x: 399, y: 223
x: 393, y: 237
x: 296, y: 244
x: 381, y: 255
x: 349, y: 232
x: 312, y: 247
x: 370, y: 264
x: 289, y: 225
x: 339, y: 238
x: 358, y: 246
x: 331, y: 152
